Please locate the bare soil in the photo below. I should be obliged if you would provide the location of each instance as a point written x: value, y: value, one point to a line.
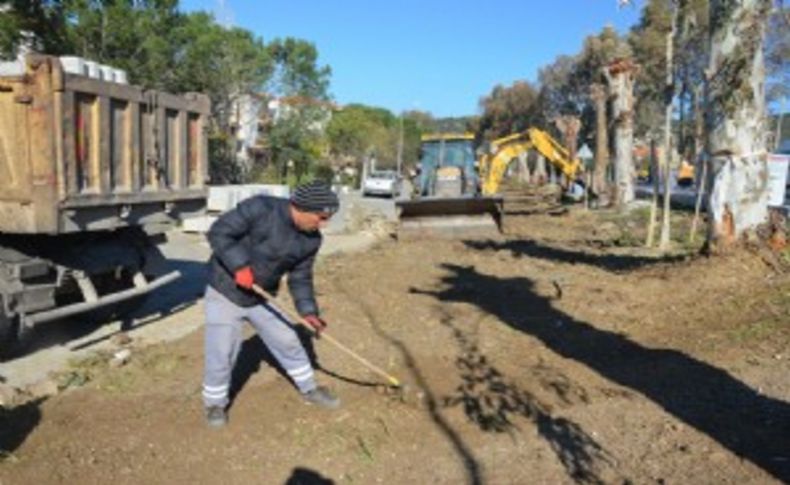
x: 559, y: 353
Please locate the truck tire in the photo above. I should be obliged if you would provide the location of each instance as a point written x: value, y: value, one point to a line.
x: 107, y: 284
x: 9, y: 334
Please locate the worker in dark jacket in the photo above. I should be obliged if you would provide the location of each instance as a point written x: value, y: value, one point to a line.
x: 258, y: 242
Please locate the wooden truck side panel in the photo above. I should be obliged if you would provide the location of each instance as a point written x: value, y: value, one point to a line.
x: 81, y: 154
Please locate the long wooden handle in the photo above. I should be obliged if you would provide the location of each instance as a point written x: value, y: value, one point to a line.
x: 324, y: 335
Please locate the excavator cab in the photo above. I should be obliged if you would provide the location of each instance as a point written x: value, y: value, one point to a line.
x: 447, y: 201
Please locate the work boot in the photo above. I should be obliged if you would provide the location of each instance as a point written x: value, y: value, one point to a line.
x: 216, y: 416
x: 321, y: 396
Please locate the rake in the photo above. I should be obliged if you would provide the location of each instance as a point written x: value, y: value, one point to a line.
x: 324, y: 335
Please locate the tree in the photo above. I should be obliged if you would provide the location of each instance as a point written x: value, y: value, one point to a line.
x: 297, y: 72
x: 507, y: 110
x: 599, y: 97
x: 735, y: 117
x: 620, y: 78
x: 39, y: 23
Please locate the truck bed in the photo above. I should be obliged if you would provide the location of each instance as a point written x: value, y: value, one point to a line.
x: 82, y: 154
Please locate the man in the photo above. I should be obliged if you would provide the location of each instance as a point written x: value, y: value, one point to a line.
x: 257, y: 243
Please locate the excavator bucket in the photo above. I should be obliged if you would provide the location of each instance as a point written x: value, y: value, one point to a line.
x: 445, y: 217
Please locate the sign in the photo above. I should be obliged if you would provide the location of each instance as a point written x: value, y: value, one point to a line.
x: 777, y: 179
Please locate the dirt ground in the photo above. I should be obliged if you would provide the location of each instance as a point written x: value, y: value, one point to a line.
x: 559, y: 353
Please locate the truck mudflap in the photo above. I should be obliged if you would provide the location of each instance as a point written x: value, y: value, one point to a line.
x: 141, y: 287
x: 450, y: 217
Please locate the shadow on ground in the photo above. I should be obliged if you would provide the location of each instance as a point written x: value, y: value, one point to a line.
x: 705, y: 397
x: 533, y: 249
x: 16, y: 424
x: 306, y: 476
x: 433, y: 405
x: 492, y: 402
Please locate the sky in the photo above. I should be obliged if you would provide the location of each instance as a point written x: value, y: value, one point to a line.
x: 439, y: 56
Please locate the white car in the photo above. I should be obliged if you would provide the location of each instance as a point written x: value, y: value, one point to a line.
x: 386, y: 182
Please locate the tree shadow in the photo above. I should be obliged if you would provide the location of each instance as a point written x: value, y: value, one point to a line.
x: 16, y: 424
x: 306, y: 476
x: 610, y: 262
x: 491, y: 402
x: 709, y: 399
x: 474, y: 470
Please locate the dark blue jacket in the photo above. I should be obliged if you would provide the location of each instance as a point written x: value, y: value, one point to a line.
x: 260, y: 233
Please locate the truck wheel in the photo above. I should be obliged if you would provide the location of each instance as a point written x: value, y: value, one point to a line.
x: 9, y: 333
x: 106, y: 284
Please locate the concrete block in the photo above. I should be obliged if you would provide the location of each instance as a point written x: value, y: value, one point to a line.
x: 222, y: 198
x: 199, y: 224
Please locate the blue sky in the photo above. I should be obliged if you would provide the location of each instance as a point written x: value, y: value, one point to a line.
x: 439, y: 56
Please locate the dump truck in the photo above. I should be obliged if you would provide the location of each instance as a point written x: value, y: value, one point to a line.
x: 92, y: 174
x: 447, y: 201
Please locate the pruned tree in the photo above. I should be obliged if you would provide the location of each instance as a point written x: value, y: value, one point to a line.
x: 669, y: 95
x: 620, y: 77
x: 600, y: 186
x: 738, y: 198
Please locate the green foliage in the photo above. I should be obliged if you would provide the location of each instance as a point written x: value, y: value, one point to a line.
x: 508, y: 110
x: 295, y: 145
x: 43, y: 20
x: 223, y: 168
x: 358, y: 132
x: 296, y: 70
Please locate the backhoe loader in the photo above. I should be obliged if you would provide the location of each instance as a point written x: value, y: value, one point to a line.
x: 447, y: 200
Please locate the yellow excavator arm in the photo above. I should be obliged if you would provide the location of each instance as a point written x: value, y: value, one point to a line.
x: 505, y: 149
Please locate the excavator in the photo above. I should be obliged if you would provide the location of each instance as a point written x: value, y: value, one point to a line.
x: 503, y: 150
x: 447, y: 200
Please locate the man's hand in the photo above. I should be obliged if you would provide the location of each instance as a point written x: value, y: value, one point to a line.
x: 245, y: 278
x: 316, y: 322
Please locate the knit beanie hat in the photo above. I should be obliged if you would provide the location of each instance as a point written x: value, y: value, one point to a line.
x: 315, y: 196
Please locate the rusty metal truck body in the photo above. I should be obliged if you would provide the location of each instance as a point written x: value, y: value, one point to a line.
x: 89, y: 171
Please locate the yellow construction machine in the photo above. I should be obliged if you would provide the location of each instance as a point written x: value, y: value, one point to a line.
x: 503, y: 150
x: 447, y: 201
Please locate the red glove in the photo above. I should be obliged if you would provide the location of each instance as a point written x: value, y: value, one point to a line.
x: 316, y: 322
x: 245, y: 278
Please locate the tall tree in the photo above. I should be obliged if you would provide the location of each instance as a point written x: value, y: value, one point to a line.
x: 297, y: 72
x: 599, y: 96
x: 620, y: 78
x: 507, y: 110
x: 736, y: 120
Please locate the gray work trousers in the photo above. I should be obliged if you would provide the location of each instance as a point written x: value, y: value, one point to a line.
x: 224, y: 321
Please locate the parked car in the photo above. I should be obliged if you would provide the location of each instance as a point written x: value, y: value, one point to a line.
x: 384, y: 182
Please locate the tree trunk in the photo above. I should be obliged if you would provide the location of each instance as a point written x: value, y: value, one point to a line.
x: 539, y: 174
x: 669, y: 95
x: 620, y: 76
x: 569, y: 126
x: 651, y: 225
x: 738, y: 173
x: 523, y: 168
x: 600, y: 185
x: 699, y: 136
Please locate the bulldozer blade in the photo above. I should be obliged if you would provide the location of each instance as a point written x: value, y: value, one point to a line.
x: 459, y: 217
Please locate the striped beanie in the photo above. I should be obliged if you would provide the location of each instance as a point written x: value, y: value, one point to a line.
x: 315, y: 196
